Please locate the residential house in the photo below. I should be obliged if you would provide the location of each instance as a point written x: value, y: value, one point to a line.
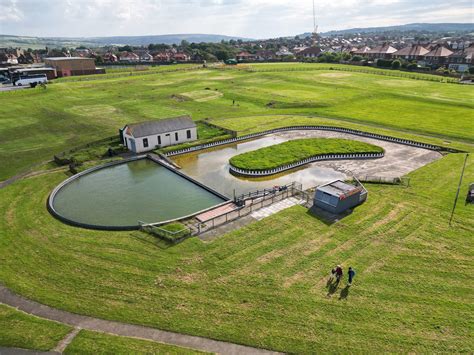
x: 8, y: 58
x: 413, y: 52
x: 438, y: 56
x: 143, y: 55
x: 263, y: 55
x: 384, y: 51
x: 162, y: 57
x: 146, y: 136
x: 181, y: 57
x: 110, y: 58
x: 362, y: 51
x: 462, y: 59
x: 310, y: 52
x: 28, y: 58
x: 284, y: 52
x: 129, y: 57
x: 245, y: 56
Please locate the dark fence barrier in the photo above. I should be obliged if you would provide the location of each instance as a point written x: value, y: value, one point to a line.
x: 245, y: 172
x: 309, y: 128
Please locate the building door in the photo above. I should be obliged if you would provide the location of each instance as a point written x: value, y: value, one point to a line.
x: 133, y: 147
x: 167, y: 140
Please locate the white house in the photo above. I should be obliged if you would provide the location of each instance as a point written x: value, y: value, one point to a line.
x: 146, y: 136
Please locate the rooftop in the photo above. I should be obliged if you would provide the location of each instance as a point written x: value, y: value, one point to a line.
x: 149, y: 128
x: 68, y: 58
x: 339, y: 188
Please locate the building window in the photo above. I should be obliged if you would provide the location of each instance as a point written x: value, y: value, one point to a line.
x: 176, y: 136
x: 159, y: 140
x: 188, y: 134
x: 145, y: 142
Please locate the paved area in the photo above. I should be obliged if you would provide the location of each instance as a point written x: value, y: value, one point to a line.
x: 129, y: 330
x: 216, y: 212
x: 275, y: 208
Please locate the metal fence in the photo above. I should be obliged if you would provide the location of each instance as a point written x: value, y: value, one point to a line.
x: 249, y: 203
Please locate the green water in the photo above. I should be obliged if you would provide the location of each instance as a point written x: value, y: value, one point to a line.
x: 124, y: 194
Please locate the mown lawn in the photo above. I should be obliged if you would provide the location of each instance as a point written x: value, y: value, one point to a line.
x: 35, y: 124
x: 88, y: 342
x: 20, y: 330
x: 265, y: 284
x: 298, y: 149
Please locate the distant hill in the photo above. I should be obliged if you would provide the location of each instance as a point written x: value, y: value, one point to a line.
x: 411, y: 27
x: 41, y: 42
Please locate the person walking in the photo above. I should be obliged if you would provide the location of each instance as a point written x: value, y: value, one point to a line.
x: 351, y: 274
x: 332, y: 276
x: 338, y: 273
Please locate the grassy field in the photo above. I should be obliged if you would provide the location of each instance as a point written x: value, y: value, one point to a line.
x: 20, y: 330
x: 265, y: 285
x: 87, y: 342
x: 35, y: 124
x: 298, y: 149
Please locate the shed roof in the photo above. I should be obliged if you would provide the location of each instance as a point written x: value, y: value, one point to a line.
x: 150, y: 128
x: 339, y: 188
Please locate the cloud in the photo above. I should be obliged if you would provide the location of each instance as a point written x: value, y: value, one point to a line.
x: 249, y: 18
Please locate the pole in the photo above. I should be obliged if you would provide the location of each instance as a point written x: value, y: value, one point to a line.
x: 459, y: 188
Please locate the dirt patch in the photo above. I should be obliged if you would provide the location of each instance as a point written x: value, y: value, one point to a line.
x: 335, y: 75
x: 202, y: 95
x: 93, y: 110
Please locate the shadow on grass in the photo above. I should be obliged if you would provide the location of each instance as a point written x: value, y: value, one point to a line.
x: 150, y: 241
x: 326, y: 217
x: 332, y: 286
x: 344, y: 293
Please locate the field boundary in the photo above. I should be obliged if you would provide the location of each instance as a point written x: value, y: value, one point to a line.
x: 311, y: 128
x: 376, y: 71
x: 247, y: 172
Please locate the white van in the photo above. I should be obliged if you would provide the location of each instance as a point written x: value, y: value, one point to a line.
x: 31, y: 80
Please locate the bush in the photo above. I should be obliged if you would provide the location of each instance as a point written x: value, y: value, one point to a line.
x: 383, y: 63
x: 357, y: 58
x: 396, y: 64
x: 471, y: 70
x: 412, y: 66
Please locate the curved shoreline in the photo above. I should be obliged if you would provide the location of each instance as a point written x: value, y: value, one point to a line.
x: 256, y: 173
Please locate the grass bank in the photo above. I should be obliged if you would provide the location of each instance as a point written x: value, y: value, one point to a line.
x: 20, y: 330
x: 265, y: 284
x: 36, y: 123
x: 299, y: 149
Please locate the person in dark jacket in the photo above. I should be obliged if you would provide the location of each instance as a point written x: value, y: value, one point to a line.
x: 338, y: 273
x: 351, y: 274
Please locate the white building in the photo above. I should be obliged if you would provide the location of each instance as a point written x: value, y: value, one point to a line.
x: 146, y: 136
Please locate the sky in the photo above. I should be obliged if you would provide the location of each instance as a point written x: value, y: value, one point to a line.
x: 243, y: 18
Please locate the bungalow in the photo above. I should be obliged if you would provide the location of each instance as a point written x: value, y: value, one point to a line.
x: 144, y: 55
x: 146, y: 136
x: 129, y: 57
x: 311, y: 52
x: 438, y: 56
x: 413, y: 52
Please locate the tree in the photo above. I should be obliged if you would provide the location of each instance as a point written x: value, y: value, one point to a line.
x: 471, y: 70
x: 222, y: 55
x: 126, y: 48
